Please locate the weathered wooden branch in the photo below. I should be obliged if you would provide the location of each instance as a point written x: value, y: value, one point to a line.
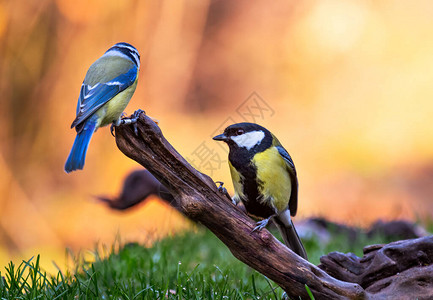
x: 402, y: 269
x: 196, y: 196
x: 140, y: 184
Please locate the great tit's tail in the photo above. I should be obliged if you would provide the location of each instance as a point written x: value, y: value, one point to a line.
x: 77, y: 155
x: 290, y: 236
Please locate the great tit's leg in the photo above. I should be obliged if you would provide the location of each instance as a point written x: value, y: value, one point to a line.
x: 221, y: 188
x: 223, y: 191
x: 262, y: 224
x: 235, y: 201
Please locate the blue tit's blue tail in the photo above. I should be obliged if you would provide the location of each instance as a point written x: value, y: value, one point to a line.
x: 77, y: 156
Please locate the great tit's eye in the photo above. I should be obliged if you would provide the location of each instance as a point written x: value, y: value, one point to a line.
x: 240, y: 131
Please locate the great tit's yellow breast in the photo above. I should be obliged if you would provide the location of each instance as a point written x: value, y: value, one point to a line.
x: 237, y: 182
x: 273, y: 178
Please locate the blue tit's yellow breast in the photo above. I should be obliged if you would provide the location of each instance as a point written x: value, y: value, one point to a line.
x: 273, y: 178
x: 112, y: 110
x: 103, y: 70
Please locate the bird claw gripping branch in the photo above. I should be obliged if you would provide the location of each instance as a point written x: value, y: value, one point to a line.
x: 127, y: 121
x: 223, y: 191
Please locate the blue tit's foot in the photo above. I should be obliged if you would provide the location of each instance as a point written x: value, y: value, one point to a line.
x: 261, y: 224
x: 134, y: 119
x: 127, y: 121
x: 137, y: 114
x: 118, y: 122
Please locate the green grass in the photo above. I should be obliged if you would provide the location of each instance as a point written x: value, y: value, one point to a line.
x: 188, y: 266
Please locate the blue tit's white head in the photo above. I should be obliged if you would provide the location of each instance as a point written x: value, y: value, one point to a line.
x: 125, y: 50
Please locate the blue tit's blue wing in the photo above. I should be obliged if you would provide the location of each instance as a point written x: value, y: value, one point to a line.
x: 293, y: 201
x: 94, y: 97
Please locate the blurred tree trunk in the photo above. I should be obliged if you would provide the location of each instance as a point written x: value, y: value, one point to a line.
x: 196, y: 196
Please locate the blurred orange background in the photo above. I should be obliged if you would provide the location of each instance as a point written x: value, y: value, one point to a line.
x: 345, y: 85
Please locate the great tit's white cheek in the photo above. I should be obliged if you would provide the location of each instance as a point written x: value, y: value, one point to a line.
x: 248, y: 140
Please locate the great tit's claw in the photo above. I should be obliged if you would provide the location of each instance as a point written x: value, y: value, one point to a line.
x: 223, y: 191
x: 261, y: 224
x: 221, y: 188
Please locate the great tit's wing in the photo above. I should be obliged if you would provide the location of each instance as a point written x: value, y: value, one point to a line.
x: 293, y: 201
x: 94, y: 97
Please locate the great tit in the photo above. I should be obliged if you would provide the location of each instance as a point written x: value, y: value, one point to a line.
x: 106, y: 90
x: 264, y: 178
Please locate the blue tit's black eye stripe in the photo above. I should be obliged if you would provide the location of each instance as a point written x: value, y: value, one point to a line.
x: 128, y: 50
x: 128, y: 53
x: 129, y: 47
x: 124, y: 44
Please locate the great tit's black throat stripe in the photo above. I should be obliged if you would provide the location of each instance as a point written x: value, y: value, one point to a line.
x: 241, y: 161
x: 253, y: 202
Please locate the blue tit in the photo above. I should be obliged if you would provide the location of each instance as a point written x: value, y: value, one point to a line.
x: 106, y: 90
x: 264, y: 178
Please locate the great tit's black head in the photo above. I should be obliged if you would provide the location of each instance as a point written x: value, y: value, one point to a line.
x: 246, y: 136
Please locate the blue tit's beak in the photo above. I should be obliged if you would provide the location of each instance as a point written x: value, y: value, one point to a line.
x: 221, y: 137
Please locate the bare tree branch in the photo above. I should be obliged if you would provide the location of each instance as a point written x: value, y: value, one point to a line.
x: 196, y: 196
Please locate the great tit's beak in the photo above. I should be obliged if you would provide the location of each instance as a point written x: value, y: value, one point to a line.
x: 221, y: 137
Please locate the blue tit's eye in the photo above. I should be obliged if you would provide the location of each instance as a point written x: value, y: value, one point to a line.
x: 240, y: 132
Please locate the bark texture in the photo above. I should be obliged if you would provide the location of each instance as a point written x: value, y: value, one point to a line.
x: 399, y: 270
